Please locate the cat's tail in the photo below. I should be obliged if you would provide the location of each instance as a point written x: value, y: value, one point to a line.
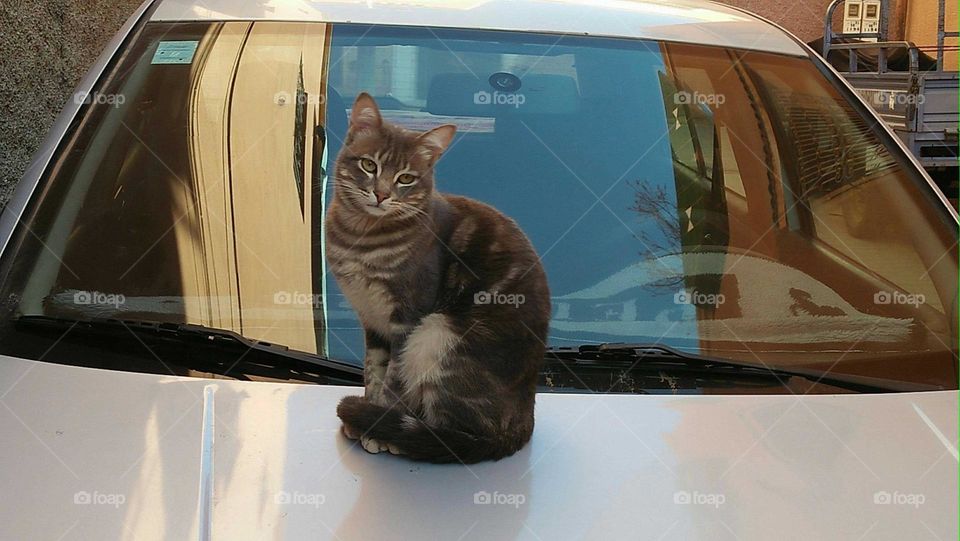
x: 414, y: 438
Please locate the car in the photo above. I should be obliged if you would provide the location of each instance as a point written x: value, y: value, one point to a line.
x: 729, y: 356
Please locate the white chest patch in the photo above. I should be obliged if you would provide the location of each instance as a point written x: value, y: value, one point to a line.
x: 372, y: 301
x: 426, y: 349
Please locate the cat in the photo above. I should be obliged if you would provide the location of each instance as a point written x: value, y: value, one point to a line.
x: 451, y: 295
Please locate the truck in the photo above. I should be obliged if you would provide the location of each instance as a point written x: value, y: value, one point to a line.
x: 919, y: 102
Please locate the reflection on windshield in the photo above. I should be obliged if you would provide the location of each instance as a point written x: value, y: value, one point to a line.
x: 723, y: 203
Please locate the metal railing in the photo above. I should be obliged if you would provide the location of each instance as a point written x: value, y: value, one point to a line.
x: 880, y: 35
x: 941, y: 35
x: 912, y: 52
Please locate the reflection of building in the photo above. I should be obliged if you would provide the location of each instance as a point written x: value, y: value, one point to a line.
x: 256, y: 232
x: 199, y: 199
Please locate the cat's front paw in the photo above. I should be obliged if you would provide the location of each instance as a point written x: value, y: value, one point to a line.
x: 371, y: 445
x: 377, y: 396
x: 372, y: 392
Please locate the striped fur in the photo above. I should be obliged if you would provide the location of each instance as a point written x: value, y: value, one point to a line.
x: 449, y: 377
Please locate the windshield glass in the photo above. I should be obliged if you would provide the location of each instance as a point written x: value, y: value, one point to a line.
x: 726, y: 203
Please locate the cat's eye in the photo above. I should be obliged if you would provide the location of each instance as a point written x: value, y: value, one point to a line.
x: 368, y: 165
x: 406, y: 179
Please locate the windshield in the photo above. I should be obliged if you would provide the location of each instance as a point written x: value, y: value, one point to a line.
x: 720, y: 202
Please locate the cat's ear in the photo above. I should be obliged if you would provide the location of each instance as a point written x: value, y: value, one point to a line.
x: 365, y: 113
x: 436, y: 141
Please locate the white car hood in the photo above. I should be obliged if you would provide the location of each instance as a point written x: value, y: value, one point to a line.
x: 93, y: 454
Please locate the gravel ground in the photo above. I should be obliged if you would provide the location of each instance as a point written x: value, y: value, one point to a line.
x: 46, y: 47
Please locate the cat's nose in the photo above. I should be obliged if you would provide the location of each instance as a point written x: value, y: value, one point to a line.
x: 381, y: 197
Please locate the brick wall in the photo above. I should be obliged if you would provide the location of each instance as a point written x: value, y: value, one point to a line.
x: 804, y: 18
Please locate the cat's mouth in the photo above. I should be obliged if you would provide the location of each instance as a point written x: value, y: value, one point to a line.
x: 376, y: 210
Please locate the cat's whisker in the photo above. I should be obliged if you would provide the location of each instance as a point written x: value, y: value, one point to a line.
x: 411, y: 210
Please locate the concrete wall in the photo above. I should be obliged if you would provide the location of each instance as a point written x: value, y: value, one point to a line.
x: 46, y: 46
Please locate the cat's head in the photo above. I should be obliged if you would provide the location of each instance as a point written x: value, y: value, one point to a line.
x: 384, y: 170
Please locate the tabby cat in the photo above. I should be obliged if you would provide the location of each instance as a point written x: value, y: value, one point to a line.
x: 451, y: 295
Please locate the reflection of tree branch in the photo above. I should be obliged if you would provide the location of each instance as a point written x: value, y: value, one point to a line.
x: 653, y: 203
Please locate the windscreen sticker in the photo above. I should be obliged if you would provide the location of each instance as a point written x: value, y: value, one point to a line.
x: 175, y: 52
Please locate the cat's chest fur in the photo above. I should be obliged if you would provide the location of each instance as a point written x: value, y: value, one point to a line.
x: 382, y: 289
x: 389, y: 276
x: 373, y: 301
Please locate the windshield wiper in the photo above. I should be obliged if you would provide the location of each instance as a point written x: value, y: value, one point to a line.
x: 238, y: 354
x: 666, y: 358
